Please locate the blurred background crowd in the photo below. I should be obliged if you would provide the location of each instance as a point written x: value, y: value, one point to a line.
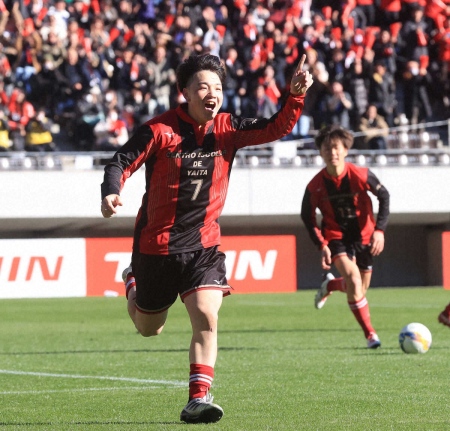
x: 91, y: 71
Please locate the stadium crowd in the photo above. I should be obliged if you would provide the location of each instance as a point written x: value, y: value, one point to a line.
x: 99, y: 68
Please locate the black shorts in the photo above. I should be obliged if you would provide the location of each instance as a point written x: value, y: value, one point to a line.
x: 161, y: 278
x: 355, y: 251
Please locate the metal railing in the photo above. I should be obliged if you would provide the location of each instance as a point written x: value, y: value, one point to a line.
x: 407, y: 145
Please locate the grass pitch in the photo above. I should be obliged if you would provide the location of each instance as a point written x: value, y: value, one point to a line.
x: 78, y: 364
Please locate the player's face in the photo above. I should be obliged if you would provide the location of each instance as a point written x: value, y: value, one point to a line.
x: 334, y: 154
x: 204, y: 96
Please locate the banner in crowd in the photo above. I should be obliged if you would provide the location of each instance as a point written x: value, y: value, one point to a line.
x: 77, y: 267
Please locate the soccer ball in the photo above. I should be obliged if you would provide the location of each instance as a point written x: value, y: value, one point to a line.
x: 415, y: 338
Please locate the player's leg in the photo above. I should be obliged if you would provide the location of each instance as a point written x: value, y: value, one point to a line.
x: 148, y: 324
x: 356, y: 298
x: 366, y: 276
x: 444, y: 316
x: 330, y: 284
x: 203, y: 300
x: 349, y: 271
x: 203, y: 309
x: 151, y: 284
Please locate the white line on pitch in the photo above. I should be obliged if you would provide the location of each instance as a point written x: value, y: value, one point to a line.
x: 57, y: 391
x: 76, y: 376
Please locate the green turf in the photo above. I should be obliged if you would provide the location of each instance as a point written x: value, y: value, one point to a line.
x: 78, y: 364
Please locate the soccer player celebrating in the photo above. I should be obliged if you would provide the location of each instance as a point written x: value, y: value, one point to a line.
x: 349, y: 236
x: 188, y: 154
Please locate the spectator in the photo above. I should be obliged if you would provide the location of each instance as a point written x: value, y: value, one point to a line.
x: 375, y: 130
x: 311, y: 114
x: 382, y: 92
x: 234, y: 88
x: 109, y: 13
x: 315, y: 105
x: 38, y: 135
x: 20, y: 113
x: 143, y: 41
x: 52, y: 57
x: 137, y: 109
x: 5, y: 142
x: 29, y: 46
x: 100, y: 37
x: 443, y: 75
x: 128, y: 74
x: 415, y: 82
x: 89, y: 111
x: 111, y: 133
x: 338, y: 104
x: 389, y: 14
x: 161, y: 79
x: 413, y: 40
x: 357, y: 83
x: 336, y: 66
x: 384, y: 51
x: 259, y: 105
x: 12, y: 9
x: 260, y: 16
x: 59, y: 15
x: 3, y: 94
x: 277, y: 53
x: 368, y: 9
x: 270, y: 85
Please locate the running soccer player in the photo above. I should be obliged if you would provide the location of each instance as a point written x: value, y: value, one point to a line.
x: 188, y: 154
x: 349, y: 236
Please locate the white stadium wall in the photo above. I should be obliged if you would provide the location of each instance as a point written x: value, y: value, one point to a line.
x: 261, y: 201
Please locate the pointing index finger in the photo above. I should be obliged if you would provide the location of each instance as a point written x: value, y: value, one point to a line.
x: 301, y: 63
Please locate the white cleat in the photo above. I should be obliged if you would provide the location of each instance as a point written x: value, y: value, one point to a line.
x: 125, y: 273
x: 373, y: 342
x: 201, y: 411
x: 323, y: 294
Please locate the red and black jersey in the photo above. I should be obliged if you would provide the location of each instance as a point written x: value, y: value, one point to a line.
x: 187, y: 173
x: 345, y: 205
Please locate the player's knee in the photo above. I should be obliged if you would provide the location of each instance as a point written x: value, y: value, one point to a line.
x: 150, y: 325
x: 208, y: 320
x: 146, y: 331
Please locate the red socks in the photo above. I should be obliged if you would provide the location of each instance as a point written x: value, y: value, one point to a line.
x: 337, y: 284
x: 200, y: 380
x: 360, y: 310
x: 130, y: 283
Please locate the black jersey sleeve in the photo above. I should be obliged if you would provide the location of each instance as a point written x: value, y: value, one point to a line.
x: 383, y: 197
x: 125, y: 160
x: 308, y: 216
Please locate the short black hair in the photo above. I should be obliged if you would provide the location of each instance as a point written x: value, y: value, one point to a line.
x: 332, y: 133
x: 197, y: 63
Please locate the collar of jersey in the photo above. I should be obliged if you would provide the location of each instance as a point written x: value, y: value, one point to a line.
x: 182, y: 113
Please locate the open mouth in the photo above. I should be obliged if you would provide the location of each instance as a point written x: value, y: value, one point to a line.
x: 210, y: 106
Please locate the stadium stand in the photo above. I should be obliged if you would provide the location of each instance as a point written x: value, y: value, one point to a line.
x: 80, y: 60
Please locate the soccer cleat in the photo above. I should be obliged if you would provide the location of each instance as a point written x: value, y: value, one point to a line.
x: 373, y: 342
x: 323, y: 294
x: 201, y: 411
x: 125, y: 273
x: 444, y: 319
